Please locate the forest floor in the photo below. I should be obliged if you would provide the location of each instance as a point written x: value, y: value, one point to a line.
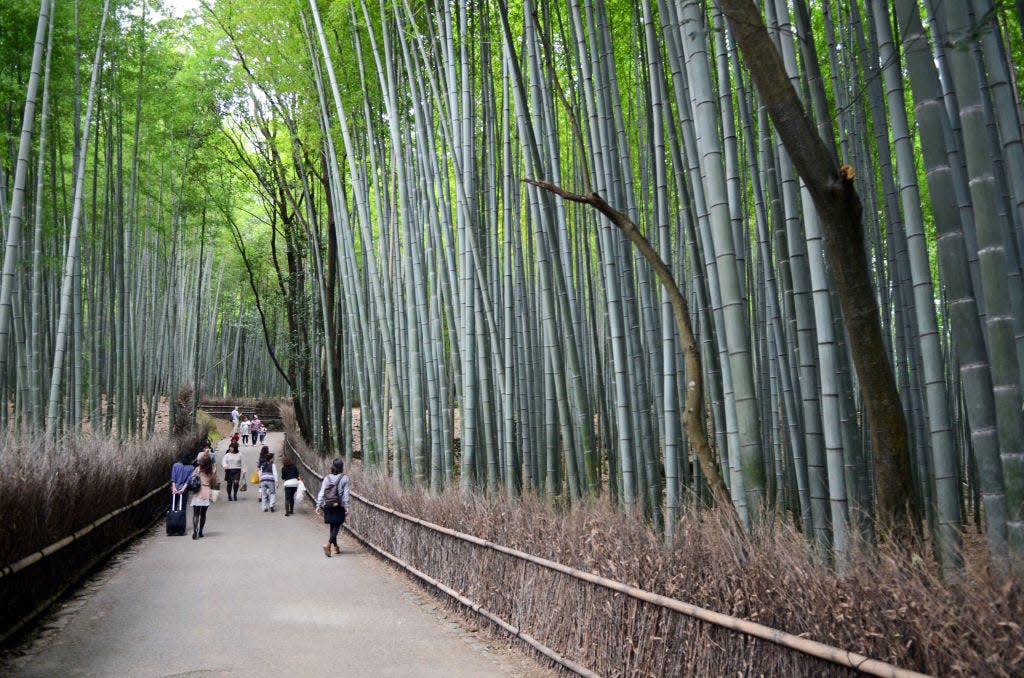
x: 256, y: 597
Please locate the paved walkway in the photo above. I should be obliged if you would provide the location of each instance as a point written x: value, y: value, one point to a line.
x: 255, y: 597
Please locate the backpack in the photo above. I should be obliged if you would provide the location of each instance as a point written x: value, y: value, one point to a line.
x: 332, y: 494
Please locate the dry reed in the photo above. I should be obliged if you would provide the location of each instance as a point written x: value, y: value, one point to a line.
x: 886, y: 605
x: 889, y: 604
x: 49, y: 490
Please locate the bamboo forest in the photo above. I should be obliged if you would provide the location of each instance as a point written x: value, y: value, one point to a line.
x: 763, y: 257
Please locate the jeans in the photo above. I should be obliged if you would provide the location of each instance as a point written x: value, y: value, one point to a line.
x: 268, y: 494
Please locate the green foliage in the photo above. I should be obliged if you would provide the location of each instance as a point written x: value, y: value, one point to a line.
x: 17, y: 32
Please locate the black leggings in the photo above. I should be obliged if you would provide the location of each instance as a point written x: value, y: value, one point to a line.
x: 334, y: 533
x: 232, y: 476
x: 289, y: 499
x: 199, y: 518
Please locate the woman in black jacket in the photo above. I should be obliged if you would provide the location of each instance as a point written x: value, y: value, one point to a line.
x: 290, y: 476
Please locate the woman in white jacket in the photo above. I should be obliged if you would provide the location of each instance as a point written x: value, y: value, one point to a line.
x: 233, y: 470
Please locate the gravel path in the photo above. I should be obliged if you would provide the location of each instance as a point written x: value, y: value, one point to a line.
x: 254, y: 597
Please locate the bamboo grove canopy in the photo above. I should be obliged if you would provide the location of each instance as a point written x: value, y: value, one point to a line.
x: 329, y: 200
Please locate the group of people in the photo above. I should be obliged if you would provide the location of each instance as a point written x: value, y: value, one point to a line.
x: 247, y: 428
x: 200, y: 467
x: 332, y: 502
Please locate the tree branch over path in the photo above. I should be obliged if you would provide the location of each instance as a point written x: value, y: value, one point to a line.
x: 839, y: 207
x: 240, y: 243
x: 693, y: 408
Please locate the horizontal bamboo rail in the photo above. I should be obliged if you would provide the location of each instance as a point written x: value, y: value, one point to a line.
x: 47, y: 551
x: 805, y: 646
x: 39, y: 555
x: 516, y: 632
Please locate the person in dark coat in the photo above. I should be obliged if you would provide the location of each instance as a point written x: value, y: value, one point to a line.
x: 291, y: 477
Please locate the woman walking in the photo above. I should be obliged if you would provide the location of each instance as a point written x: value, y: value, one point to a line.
x: 332, y: 502
x: 201, y: 500
x: 268, y: 480
x: 290, y: 476
x: 243, y: 428
x: 233, y: 470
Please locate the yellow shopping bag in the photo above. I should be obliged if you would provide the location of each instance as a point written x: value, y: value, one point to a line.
x: 255, y: 478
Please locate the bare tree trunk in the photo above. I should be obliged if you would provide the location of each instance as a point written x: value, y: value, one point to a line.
x: 836, y: 200
x: 693, y: 408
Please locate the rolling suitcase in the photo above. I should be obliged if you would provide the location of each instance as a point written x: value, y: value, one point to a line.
x: 176, y: 519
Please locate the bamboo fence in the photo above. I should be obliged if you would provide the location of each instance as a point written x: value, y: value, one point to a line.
x: 437, y: 556
x: 29, y: 586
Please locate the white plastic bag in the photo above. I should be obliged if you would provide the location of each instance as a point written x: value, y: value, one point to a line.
x: 300, y: 492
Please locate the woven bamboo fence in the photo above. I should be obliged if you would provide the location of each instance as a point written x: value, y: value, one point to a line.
x: 44, y: 573
x: 31, y: 585
x: 586, y: 624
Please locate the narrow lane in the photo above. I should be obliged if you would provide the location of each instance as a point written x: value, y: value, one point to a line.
x: 255, y: 597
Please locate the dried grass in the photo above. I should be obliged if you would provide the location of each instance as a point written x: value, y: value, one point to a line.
x: 888, y: 605
x: 49, y: 490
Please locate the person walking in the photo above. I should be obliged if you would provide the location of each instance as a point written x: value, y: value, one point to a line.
x: 243, y: 428
x: 233, y: 470
x: 268, y: 480
x: 256, y: 474
x: 332, y: 503
x: 234, y: 419
x: 201, y: 499
x: 290, y: 476
x: 181, y: 471
x: 207, y: 448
